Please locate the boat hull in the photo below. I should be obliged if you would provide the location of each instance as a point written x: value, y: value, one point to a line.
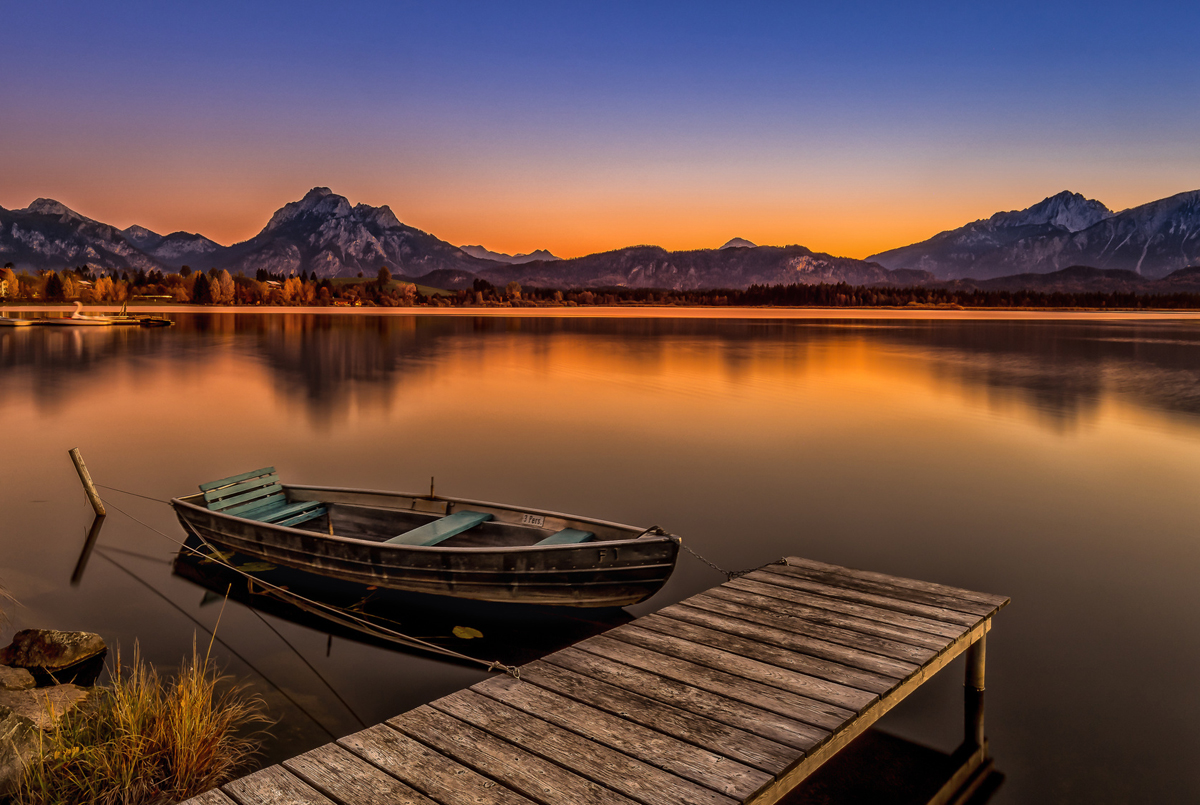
x: 610, y: 573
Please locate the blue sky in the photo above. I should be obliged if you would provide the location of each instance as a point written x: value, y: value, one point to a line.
x: 848, y: 127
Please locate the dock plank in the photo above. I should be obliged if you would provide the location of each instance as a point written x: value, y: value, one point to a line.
x: 680, y: 693
x: 900, y: 643
x: 792, y: 577
x: 881, y: 587
x: 712, y: 736
x: 430, y: 772
x: 834, y: 672
x: 828, y: 598
x: 350, y: 780
x: 819, y: 714
x: 851, y: 656
x: 547, y: 783
x: 650, y: 746
x: 274, y: 785
x: 759, y: 609
x: 637, y: 780
x: 996, y: 601
x: 734, y: 695
x: 213, y: 797
x: 767, y: 673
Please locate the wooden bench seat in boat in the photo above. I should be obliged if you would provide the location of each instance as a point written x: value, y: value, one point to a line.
x: 568, y: 536
x: 440, y: 530
x: 258, y: 495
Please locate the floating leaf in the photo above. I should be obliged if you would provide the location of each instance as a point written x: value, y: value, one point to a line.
x: 256, y: 567
x: 466, y: 632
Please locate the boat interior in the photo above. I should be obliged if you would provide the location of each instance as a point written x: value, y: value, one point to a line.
x: 400, y: 519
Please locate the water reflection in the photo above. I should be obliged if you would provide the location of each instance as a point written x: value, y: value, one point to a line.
x: 336, y: 367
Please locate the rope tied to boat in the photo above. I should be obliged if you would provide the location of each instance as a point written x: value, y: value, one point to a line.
x: 511, y: 670
x: 730, y: 575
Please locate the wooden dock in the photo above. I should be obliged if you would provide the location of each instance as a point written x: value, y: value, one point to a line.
x: 735, y: 695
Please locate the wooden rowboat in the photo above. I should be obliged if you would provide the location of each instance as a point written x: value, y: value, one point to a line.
x: 428, y: 544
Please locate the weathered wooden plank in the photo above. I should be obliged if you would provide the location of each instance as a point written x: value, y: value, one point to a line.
x: 678, y: 687
x: 654, y: 748
x: 710, y: 735
x: 880, y: 606
x: 784, y: 701
x: 833, y: 672
x: 869, y: 620
x: 791, y: 578
x: 274, y: 785
x: 773, y: 612
x: 213, y: 797
x: 430, y: 772
x: 525, y: 773
x: 767, y: 673
x: 997, y: 601
x: 835, y: 652
x: 880, y: 587
x: 637, y: 780
x: 350, y: 780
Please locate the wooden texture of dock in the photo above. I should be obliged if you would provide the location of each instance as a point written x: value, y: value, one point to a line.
x: 734, y: 695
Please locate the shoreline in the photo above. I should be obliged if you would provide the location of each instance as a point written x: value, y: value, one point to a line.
x: 655, y: 312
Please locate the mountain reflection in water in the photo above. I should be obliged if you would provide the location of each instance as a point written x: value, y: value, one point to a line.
x: 1050, y: 461
x: 334, y: 364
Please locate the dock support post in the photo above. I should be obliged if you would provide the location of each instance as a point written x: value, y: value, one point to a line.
x: 86, y: 480
x: 973, y: 693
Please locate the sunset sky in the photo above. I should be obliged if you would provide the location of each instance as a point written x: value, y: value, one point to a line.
x: 846, y: 127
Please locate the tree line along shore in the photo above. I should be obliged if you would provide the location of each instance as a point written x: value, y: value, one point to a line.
x: 219, y: 287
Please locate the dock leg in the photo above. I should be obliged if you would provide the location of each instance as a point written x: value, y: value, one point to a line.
x: 973, y: 693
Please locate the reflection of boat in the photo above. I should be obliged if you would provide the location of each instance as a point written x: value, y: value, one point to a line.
x: 465, y: 627
x: 436, y: 545
x: 78, y: 319
x: 7, y: 322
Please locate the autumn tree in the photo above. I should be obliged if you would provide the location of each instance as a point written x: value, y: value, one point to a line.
x: 202, y: 290
x: 385, y: 278
x: 54, y: 287
x: 222, y: 288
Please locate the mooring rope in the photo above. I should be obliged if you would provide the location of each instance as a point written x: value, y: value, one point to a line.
x: 101, y: 552
x: 380, y: 631
x: 730, y: 575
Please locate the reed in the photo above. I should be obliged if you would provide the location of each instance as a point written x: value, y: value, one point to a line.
x: 145, y: 740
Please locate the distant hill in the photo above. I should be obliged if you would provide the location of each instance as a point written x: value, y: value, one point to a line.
x: 739, y: 243
x: 971, y: 250
x: 655, y: 267
x: 1066, y: 230
x: 500, y: 257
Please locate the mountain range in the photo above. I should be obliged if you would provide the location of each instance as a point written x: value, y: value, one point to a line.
x: 323, y: 234
x: 1061, y: 231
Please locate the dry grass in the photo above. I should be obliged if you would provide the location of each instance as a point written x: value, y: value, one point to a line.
x: 145, y: 740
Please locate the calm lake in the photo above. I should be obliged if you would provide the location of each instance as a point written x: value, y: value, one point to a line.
x: 1053, y: 461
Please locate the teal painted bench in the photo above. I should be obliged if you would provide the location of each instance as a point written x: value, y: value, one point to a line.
x: 568, y: 536
x: 258, y: 495
x: 440, y: 530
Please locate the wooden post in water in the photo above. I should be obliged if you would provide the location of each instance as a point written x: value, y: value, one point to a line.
x: 86, y: 480
x: 973, y: 693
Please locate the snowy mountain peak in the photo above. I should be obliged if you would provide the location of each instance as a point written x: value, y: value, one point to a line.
x: 739, y: 243
x: 48, y: 206
x: 318, y: 202
x: 142, y: 237
x: 1070, y: 211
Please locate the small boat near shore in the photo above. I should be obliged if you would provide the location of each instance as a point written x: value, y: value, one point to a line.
x: 5, y: 321
x: 444, y: 546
